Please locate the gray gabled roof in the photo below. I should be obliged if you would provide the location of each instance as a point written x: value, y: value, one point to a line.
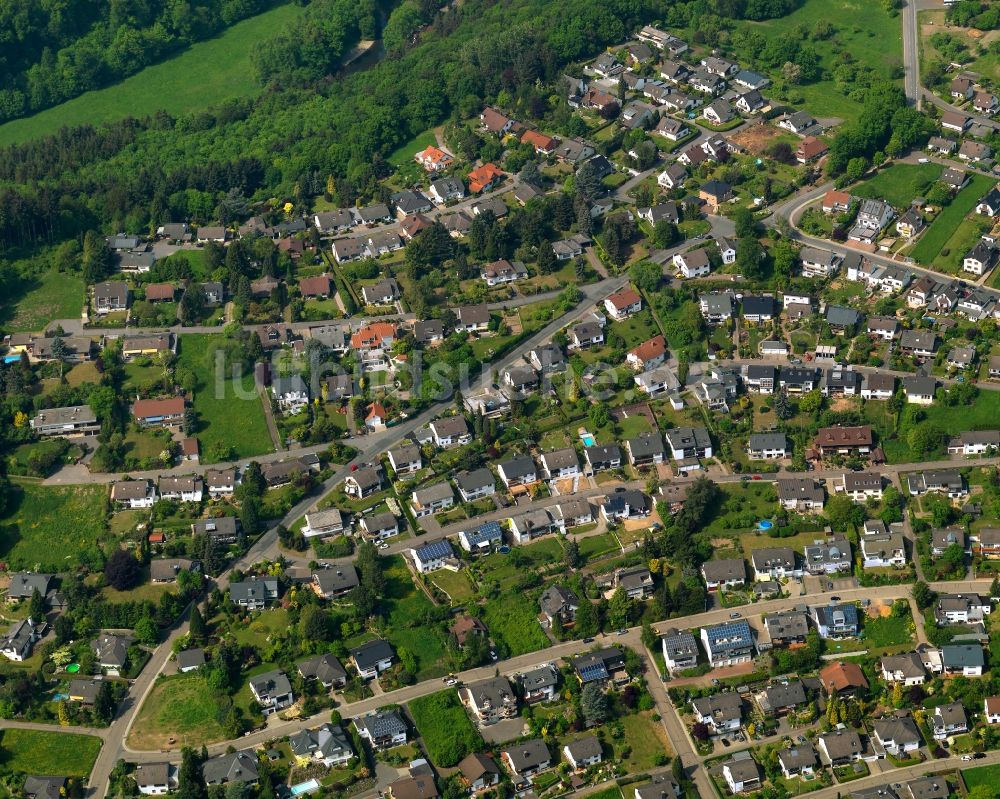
x: 232, y: 767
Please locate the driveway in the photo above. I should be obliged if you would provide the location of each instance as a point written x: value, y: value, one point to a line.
x: 502, y: 731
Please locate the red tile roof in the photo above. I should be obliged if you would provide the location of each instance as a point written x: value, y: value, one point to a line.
x: 173, y: 406
x: 648, y: 350
x: 159, y: 291
x: 483, y: 176
x: 317, y: 286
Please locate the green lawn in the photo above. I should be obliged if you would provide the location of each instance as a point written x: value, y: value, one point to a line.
x: 980, y: 415
x: 52, y: 528
x: 596, y: 546
x: 513, y: 622
x: 224, y: 419
x: 36, y: 301
x: 206, y: 74
x: 404, y: 154
x: 943, y: 228
x: 963, y: 238
x: 900, y: 183
x: 637, y: 328
x: 36, y: 752
x: 982, y: 775
x: 444, y: 727
x: 455, y: 584
x: 183, y: 707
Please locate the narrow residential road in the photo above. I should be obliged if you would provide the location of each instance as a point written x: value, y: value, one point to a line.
x: 911, y: 50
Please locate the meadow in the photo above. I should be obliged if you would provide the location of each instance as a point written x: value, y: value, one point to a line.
x: 52, y: 528
x: 206, y: 74
x: 899, y: 184
x: 38, y: 752
x: 182, y: 707
x: 945, y: 227
x: 35, y: 301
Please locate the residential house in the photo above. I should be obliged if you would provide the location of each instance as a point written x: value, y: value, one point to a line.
x: 680, y: 650
x: 476, y: 484
x: 432, y: 556
x: 800, y: 494
x: 519, y: 470
x: 689, y: 442
x: 949, y: 720
x: 897, y: 734
x: 272, y: 691
x: 774, y: 563
x: 837, y: 621
x: 256, y: 593
x: 767, y: 446
x: 844, y: 440
x: 839, y: 747
x: 623, y: 304
x: 941, y: 481
x: 233, y: 767
x: 372, y: 658
x: 328, y: 745
x: 964, y: 659
x: 383, y: 730
x: 721, y: 713
x: 602, y: 457
x: 724, y: 573
x: 525, y: 759
x: 479, y: 772
x: 907, y: 669
x: 728, y: 644
x: 450, y: 431
x: 742, y: 774
x: 559, y: 602
x: 432, y: 499
x: 490, y: 700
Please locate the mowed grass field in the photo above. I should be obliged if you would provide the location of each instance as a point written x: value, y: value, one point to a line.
x: 223, y: 417
x: 863, y: 29
x: 50, y: 527
x: 40, y: 299
x: 899, y: 184
x: 205, y: 74
x: 513, y: 623
x: 945, y: 227
x: 37, y: 752
x: 181, y: 706
x: 983, y: 775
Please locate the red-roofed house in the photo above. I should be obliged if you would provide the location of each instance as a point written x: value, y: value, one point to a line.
x: 433, y: 159
x: 374, y: 336
x: 484, y: 177
x: 810, y: 148
x: 159, y: 412
x: 543, y: 144
x: 190, y: 449
x: 159, y: 292
x: 648, y: 355
x: 623, y: 304
x: 836, y: 202
x: 376, y: 416
x: 318, y: 286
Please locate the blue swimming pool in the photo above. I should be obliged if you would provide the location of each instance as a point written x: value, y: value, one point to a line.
x: 304, y: 787
x: 587, y: 439
x: 765, y: 524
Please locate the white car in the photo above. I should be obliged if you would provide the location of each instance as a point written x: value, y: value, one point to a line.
x: 967, y: 758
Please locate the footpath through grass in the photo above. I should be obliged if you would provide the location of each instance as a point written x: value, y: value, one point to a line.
x: 205, y: 74
x: 225, y: 418
x: 37, y: 752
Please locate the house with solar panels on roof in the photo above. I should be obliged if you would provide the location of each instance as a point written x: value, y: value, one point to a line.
x: 482, y: 538
x: 601, y: 666
x: 728, y: 644
x: 382, y: 730
x: 432, y: 556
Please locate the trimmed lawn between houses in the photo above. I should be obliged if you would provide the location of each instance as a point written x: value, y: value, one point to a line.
x: 455, y: 584
x: 37, y: 752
